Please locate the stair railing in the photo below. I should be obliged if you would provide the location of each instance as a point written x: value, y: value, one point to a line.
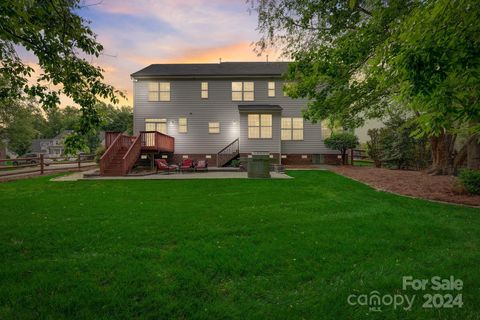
x: 228, y: 153
x: 132, y: 154
x: 110, y: 153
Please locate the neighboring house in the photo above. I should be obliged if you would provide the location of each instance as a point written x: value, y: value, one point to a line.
x: 362, y: 132
x: 50, y: 147
x: 209, y: 107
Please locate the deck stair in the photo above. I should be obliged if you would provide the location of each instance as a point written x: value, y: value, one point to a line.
x: 123, y: 151
x: 228, y: 153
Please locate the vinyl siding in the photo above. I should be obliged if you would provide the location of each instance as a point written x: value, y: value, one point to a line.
x: 185, y: 101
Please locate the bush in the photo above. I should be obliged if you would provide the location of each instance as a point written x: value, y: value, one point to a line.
x: 99, y: 153
x: 342, y: 141
x: 235, y: 163
x: 470, y: 180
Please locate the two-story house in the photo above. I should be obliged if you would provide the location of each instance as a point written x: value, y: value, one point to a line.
x: 207, y: 107
x: 50, y: 147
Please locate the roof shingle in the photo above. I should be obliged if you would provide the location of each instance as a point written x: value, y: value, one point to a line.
x: 222, y: 69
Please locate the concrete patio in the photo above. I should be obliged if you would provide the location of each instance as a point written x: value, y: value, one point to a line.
x: 174, y: 176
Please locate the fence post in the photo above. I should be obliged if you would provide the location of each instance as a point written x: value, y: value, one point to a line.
x: 41, y: 164
x: 78, y: 159
x: 351, y: 155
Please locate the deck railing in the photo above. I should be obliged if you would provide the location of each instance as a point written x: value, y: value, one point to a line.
x: 133, y: 146
x: 156, y: 141
x: 121, y: 142
x: 110, y: 153
x: 110, y: 136
x: 132, y: 154
x: 228, y: 153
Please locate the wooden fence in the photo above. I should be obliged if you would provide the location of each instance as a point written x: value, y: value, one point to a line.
x: 41, y: 164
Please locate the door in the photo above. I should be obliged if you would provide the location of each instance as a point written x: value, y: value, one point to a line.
x: 159, y: 125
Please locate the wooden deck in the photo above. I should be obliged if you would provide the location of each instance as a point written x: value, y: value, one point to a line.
x: 123, y: 151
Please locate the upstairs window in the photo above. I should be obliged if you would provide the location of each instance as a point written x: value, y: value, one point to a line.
x: 292, y: 129
x: 259, y: 126
x: 242, y: 91
x: 159, y: 91
x: 271, y: 89
x: 204, y: 90
x: 214, y: 127
x: 182, y: 125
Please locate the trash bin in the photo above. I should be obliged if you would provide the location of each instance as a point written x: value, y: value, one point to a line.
x: 258, y: 165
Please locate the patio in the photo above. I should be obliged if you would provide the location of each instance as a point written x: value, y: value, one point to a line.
x: 89, y: 175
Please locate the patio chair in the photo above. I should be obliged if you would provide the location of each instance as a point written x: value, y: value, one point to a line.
x: 162, y: 165
x: 187, y: 165
x: 202, y: 165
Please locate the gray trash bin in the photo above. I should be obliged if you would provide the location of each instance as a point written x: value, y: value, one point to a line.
x: 258, y: 165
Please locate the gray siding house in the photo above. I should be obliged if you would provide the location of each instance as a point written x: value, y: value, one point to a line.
x: 207, y: 107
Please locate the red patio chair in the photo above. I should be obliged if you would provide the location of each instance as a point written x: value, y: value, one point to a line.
x: 162, y: 165
x: 202, y: 165
x: 187, y: 165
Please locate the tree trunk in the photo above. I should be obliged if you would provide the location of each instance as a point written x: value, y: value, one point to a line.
x: 344, y: 156
x: 473, y: 153
x: 442, y: 154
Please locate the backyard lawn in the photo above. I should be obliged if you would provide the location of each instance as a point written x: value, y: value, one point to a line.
x: 240, y: 249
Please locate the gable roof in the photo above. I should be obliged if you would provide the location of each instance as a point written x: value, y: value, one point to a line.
x: 223, y: 69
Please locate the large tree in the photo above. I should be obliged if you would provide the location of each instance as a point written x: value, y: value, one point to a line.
x: 62, y: 41
x: 354, y: 59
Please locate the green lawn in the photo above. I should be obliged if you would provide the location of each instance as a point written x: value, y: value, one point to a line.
x: 239, y: 249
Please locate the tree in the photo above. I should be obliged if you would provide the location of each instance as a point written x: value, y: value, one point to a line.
x: 116, y: 119
x: 342, y: 142
x: 354, y: 59
x: 62, y: 41
x: 374, y: 146
x: 21, y: 130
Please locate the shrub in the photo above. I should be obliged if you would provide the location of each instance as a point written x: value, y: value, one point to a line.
x: 470, y: 179
x: 235, y: 163
x: 99, y: 153
x: 342, y: 141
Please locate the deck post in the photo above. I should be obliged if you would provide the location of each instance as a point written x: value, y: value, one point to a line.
x: 41, y: 164
x: 351, y: 155
x: 78, y: 160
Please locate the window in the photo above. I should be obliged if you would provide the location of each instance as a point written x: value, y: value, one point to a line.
x: 259, y: 126
x: 292, y: 129
x: 182, y: 125
x: 214, y: 127
x: 159, y: 91
x: 242, y: 91
x: 159, y: 125
x: 204, y: 90
x: 271, y: 89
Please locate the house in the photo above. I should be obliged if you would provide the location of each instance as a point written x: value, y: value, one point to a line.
x: 50, y: 147
x: 218, y: 112
x: 207, y: 107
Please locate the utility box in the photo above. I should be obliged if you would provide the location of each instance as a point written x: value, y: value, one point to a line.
x: 258, y: 165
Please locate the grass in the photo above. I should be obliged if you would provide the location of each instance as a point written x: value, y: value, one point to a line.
x: 230, y: 249
x: 363, y: 163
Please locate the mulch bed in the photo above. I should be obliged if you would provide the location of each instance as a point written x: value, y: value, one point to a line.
x: 410, y: 183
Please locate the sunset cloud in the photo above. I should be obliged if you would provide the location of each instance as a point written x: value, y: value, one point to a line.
x: 138, y: 33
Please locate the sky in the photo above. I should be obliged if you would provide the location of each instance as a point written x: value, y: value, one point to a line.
x: 141, y: 32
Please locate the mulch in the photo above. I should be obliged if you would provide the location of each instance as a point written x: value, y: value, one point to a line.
x: 416, y: 184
